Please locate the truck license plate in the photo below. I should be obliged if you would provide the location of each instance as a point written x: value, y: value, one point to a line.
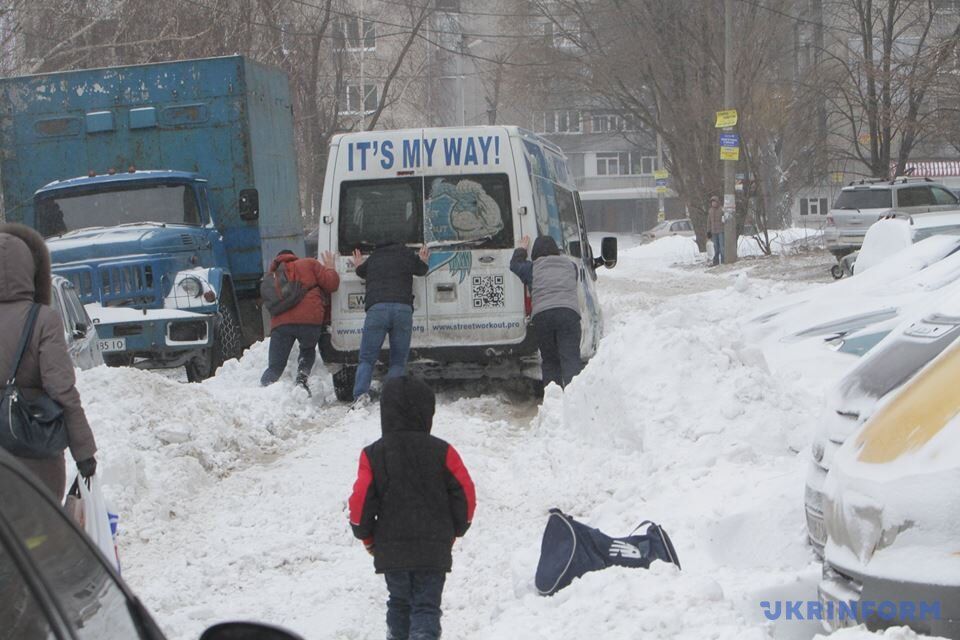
x: 112, y: 344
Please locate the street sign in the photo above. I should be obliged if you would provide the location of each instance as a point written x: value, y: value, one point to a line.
x: 660, y: 177
x: 729, y: 140
x: 726, y: 118
x: 729, y: 153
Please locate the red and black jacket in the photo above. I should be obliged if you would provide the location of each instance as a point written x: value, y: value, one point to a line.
x: 413, y: 494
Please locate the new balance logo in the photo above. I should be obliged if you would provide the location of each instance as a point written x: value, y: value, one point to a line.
x: 624, y: 549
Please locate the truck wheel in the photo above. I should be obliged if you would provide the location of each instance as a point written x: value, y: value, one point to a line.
x: 227, y: 344
x: 343, y: 383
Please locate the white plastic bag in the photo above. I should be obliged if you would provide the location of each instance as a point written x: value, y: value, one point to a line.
x: 97, y: 519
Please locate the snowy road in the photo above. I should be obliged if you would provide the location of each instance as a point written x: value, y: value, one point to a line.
x: 233, y: 497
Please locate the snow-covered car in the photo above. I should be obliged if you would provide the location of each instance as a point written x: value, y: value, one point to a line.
x: 79, y: 331
x: 891, y: 235
x: 892, y: 510
x: 860, y: 205
x: 668, y: 228
x: 54, y: 583
x: 882, y: 371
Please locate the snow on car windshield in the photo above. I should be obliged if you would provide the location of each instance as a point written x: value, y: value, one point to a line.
x: 864, y: 199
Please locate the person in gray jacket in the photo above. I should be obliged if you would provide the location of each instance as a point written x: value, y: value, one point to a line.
x: 552, y: 281
x: 46, y: 366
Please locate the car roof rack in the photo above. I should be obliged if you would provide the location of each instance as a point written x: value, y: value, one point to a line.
x: 895, y: 180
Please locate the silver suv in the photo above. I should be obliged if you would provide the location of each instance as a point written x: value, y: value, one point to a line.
x: 861, y: 204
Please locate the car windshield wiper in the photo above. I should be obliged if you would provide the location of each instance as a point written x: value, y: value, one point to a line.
x: 458, y: 243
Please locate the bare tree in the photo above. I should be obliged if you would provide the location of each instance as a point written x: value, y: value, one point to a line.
x: 879, y: 73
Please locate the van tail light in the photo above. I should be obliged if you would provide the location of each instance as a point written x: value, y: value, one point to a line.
x: 830, y: 222
x: 527, y: 302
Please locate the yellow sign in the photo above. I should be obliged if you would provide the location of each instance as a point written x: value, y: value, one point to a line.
x: 729, y: 153
x: 837, y: 177
x: 661, y: 189
x: 661, y: 174
x: 726, y: 118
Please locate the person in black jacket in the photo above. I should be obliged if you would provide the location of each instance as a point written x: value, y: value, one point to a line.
x: 388, y: 272
x: 412, y: 498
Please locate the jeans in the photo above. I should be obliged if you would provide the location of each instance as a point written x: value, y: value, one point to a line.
x: 384, y: 318
x: 718, y: 247
x: 558, y: 336
x: 413, y: 608
x: 281, y: 342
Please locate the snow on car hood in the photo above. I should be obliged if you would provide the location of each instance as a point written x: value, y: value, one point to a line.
x: 891, y: 506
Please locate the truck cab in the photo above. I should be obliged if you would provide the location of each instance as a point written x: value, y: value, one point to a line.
x: 137, y: 247
x: 163, y: 191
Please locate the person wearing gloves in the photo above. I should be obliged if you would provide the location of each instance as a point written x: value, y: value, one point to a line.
x: 46, y: 367
x: 552, y: 281
x: 412, y: 498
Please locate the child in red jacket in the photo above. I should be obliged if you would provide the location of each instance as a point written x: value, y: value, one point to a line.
x: 413, y: 497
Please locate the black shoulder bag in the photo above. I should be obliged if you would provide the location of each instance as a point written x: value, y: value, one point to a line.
x: 30, y: 428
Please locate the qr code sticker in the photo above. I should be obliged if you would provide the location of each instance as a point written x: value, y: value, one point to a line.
x: 487, y: 291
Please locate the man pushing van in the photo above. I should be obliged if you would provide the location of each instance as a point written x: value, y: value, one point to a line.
x: 388, y: 272
x: 552, y: 281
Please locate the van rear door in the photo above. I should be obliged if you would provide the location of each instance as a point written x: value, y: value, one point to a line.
x: 472, y: 297
x: 374, y: 205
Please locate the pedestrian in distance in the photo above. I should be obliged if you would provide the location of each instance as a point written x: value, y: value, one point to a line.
x: 46, y: 367
x: 715, y: 229
x: 388, y: 273
x: 302, y: 323
x: 552, y: 281
x: 412, y: 498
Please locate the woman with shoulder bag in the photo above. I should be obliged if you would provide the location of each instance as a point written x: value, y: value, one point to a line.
x: 45, y: 370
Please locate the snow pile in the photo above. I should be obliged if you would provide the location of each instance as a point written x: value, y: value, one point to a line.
x: 160, y: 440
x: 676, y: 250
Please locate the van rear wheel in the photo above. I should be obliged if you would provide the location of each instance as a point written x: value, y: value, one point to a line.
x: 343, y: 381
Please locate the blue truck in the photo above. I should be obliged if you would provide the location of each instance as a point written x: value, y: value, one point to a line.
x: 162, y: 190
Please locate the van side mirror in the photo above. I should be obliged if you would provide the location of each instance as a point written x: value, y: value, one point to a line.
x: 608, y: 253
x: 249, y: 204
x: 574, y: 249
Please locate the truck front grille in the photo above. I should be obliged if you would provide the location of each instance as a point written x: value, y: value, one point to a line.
x: 131, y: 284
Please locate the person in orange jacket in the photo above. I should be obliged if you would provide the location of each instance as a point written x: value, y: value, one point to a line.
x: 304, y: 322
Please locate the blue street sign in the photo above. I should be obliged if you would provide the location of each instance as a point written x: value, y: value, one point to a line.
x: 729, y: 140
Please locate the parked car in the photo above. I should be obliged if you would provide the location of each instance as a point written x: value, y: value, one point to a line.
x: 890, y: 235
x: 54, y: 583
x: 892, y: 511
x: 82, y: 342
x: 883, y: 370
x: 668, y: 228
x: 860, y: 205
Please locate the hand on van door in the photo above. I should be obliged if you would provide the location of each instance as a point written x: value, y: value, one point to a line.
x: 327, y: 260
x: 525, y: 242
x: 425, y: 254
x: 357, y: 258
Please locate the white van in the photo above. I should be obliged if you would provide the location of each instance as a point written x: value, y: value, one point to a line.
x: 470, y: 194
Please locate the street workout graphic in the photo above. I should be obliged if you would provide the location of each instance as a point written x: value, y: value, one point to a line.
x: 456, y: 213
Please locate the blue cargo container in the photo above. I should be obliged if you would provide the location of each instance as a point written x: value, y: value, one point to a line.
x: 162, y: 190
